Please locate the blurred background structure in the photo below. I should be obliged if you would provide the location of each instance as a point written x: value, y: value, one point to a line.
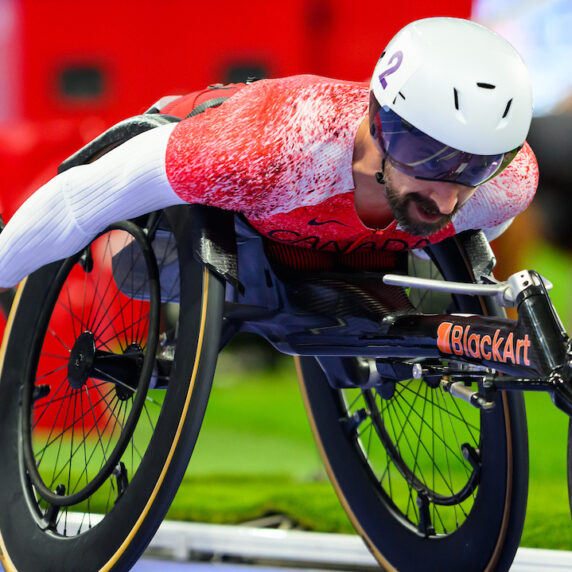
x: 68, y: 69
x: 540, y: 30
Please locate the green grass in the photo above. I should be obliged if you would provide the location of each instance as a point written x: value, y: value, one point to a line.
x: 231, y: 499
x: 556, y: 266
x: 548, y: 523
x: 256, y: 424
x: 256, y: 456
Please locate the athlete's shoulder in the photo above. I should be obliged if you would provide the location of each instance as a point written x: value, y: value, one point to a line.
x: 314, y: 104
x: 273, y: 146
x: 305, y: 85
x: 309, y: 80
x: 502, y: 198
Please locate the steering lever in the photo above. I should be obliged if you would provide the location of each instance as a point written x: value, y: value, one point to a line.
x: 505, y: 292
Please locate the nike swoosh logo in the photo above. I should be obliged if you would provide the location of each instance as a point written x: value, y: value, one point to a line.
x: 314, y: 222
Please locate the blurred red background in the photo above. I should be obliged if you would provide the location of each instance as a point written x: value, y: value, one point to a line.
x: 70, y: 69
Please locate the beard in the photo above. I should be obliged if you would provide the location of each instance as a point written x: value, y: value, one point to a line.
x: 400, y: 206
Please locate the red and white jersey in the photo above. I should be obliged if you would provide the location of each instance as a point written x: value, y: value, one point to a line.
x: 280, y: 152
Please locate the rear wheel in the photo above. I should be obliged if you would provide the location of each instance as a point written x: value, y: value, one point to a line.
x: 105, y: 381
x: 426, y: 478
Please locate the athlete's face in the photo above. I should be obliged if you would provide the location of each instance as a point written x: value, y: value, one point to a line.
x: 422, y: 207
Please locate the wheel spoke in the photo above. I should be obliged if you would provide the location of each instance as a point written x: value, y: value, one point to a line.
x: 81, y: 426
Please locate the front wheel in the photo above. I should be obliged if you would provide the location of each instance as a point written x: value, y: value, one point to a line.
x: 427, y: 480
x: 389, y: 459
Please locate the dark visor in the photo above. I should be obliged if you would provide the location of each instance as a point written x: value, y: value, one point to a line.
x: 418, y: 155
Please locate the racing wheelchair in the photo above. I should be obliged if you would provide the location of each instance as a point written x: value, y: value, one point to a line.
x: 411, y: 374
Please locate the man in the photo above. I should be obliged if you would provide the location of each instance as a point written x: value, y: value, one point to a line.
x: 435, y: 145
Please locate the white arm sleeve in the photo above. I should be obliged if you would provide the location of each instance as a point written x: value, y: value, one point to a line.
x: 68, y: 211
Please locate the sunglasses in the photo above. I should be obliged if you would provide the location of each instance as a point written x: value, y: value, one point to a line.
x: 418, y: 155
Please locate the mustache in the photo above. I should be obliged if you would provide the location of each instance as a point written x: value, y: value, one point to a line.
x: 428, y: 205
x: 399, y: 206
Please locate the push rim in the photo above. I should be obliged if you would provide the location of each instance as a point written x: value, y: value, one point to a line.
x: 96, y: 392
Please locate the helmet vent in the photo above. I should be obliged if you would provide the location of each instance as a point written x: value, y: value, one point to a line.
x: 456, y: 96
x: 485, y: 85
x: 507, y: 108
x: 400, y: 95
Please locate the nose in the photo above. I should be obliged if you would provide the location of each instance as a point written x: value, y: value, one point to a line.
x: 445, y: 196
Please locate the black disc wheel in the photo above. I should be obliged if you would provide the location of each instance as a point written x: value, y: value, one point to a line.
x: 105, y: 378
x: 428, y: 480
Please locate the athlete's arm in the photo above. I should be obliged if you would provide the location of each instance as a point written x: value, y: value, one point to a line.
x: 68, y: 211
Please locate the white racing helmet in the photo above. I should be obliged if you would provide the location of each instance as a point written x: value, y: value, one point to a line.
x: 450, y: 100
